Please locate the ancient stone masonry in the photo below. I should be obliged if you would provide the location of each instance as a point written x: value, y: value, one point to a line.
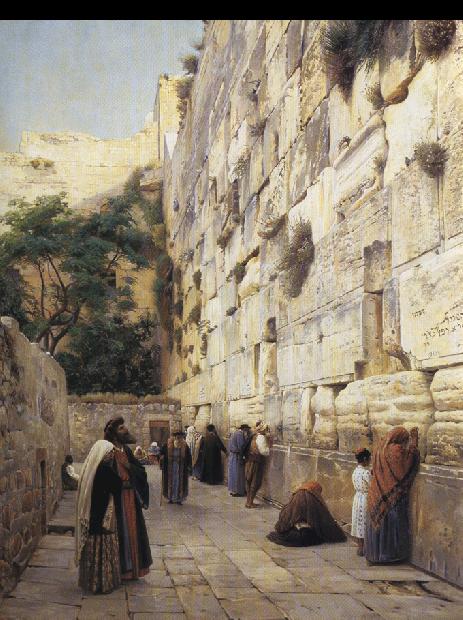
x: 34, y: 438
x: 88, y: 415
x: 375, y: 337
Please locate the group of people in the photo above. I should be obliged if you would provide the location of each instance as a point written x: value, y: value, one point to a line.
x: 380, y: 522
x: 112, y: 543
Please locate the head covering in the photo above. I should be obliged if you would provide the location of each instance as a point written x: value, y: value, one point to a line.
x: 111, y: 425
x: 84, y: 492
x: 244, y: 426
x: 262, y: 427
x: 395, y: 464
x: 312, y: 486
x: 154, y: 444
x: 306, y: 505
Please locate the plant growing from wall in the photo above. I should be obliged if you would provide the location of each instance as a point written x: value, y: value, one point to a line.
x: 40, y: 163
x: 195, y: 314
x: 183, y: 89
x: 349, y: 44
x: 196, y: 369
x: 203, y: 346
x: 197, y: 279
x: 296, y: 258
x: 178, y: 335
x: 187, y: 256
x: 183, y: 377
x: 231, y: 311
x: 431, y: 157
x: 375, y: 97
x: 224, y: 237
x: 190, y: 63
x: 198, y: 45
x: 271, y: 225
x: 241, y: 164
x: 434, y: 36
x: 379, y: 163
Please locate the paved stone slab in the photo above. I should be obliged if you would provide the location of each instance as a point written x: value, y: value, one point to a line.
x: 181, y: 567
x: 213, y: 570
x: 188, y: 580
x: 166, y: 604
x: 412, y: 607
x: 54, y: 541
x: 208, y: 555
x: 63, y: 593
x: 200, y: 603
x: 176, y: 551
x: 317, y: 606
x: 49, y: 575
x: 20, y: 609
x: 52, y: 558
x: 331, y: 580
x: 236, y: 593
x: 158, y: 616
x: 228, y: 581
x: 101, y: 607
x: 252, y: 609
x: 155, y: 578
x: 379, y: 573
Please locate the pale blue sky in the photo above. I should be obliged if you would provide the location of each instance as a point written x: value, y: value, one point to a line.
x: 96, y: 77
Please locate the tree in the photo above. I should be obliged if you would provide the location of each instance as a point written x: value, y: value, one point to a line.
x: 74, y: 257
x: 107, y: 354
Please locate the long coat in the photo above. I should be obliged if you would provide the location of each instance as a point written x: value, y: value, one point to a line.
x: 184, y: 469
x: 211, y: 447
x: 236, y: 480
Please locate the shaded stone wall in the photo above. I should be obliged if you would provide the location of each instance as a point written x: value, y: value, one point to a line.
x: 34, y: 438
x: 89, y: 414
x: 374, y: 338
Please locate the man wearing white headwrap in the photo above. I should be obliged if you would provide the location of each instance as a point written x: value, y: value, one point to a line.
x: 96, y: 537
x: 255, y: 452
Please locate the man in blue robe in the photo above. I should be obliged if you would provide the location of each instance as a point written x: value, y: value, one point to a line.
x: 236, y: 479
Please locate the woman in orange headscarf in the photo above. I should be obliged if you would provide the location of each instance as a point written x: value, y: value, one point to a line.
x: 306, y: 520
x: 395, y: 463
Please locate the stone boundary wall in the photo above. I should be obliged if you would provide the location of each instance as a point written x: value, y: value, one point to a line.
x: 88, y: 415
x: 34, y: 438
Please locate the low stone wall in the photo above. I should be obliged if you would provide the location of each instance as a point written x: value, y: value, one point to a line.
x: 88, y: 415
x: 34, y: 437
x: 435, y: 508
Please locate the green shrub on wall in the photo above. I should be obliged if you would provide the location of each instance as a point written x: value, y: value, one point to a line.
x: 297, y: 257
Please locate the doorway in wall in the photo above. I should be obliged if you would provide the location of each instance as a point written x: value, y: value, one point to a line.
x: 159, y: 431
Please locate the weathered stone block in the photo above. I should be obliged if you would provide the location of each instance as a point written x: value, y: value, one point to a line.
x: 294, y: 45
x: 324, y: 431
x: 431, y: 318
x: 352, y: 418
x: 314, y: 82
x: 397, y: 58
x: 449, y: 95
x: 445, y: 436
x: 414, y: 206
x: 452, y: 186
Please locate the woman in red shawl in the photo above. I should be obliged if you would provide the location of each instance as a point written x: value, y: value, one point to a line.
x: 395, y: 463
x: 306, y: 520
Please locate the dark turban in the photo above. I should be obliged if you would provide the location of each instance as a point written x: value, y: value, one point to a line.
x: 110, y: 427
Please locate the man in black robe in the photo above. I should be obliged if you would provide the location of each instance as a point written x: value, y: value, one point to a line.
x: 210, y: 452
x: 134, y: 547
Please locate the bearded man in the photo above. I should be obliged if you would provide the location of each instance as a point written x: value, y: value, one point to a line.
x: 134, y: 547
x: 255, y: 452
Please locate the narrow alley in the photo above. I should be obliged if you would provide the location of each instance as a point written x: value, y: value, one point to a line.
x: 211, y: 560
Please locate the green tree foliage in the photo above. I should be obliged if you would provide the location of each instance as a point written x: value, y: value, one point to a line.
x: 74, y: 258
x: 108, y: 354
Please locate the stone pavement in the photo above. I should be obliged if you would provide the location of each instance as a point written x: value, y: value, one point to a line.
x: 212, y: 561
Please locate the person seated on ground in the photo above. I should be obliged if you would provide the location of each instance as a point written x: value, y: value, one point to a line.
x: 69, y: 477
x: 140, y: 455
x: 306, y: 520
x: 361, y: 478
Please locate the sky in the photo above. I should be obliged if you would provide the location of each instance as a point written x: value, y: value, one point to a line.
x: 91, y: 76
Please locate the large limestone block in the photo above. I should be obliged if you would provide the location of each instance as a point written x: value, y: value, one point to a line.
x: 209, y: 280
x: 276, y: 75
x: 307, y: 414
x: 356, y: 175
x: 275, y: 30
x: 405, y: 127
x: 217, y: 387
x: 431, y: 310
x: 251, y: 281
x: 256, y: 166
x: 289, y: 116
x: 324, y: 431
x: 239, y: 147
x: 250, y: 327
x: 314, y: 81
x: 290, y: 405
x: 449, y: 91
x: 342, y: 125
x: 203, y: 418
x: 309, y: 153
x: 452, y: 186
x: 402, y: 399
x: 249, y: 373
x: 271, y: 141
x: 352, y: 418
x: 294, y: 45
x: 246, y: 410
x: 268, y: 370
x: 445, y: 436
x: 397, y: 57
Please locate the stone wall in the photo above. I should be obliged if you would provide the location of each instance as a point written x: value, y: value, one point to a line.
x: 34, y: 438
x: 88, y: 415
x: 374, y: 338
